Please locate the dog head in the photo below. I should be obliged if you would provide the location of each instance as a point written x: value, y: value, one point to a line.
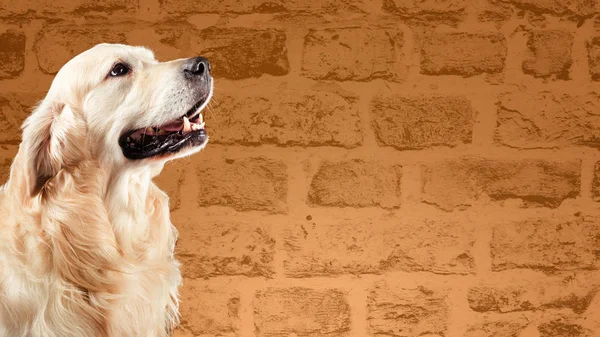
x: 119, y: 106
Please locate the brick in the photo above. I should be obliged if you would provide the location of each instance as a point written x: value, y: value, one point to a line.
x: 5, y: 164
x: 262, y: 6
x: 406, y: 312
x: 544, y: 119
x: 547, y: 244
x: 561, y: 327
x: 428, y: 11
x: 209, y: 311
x: 238, y: 53
x: 457, y: 184
x: 356, y: 183
x: 574, y: 8
x: 463, y: 54
x: 14, y: 108
x: 596, y: 182
x: 170, y: 181
x: 353, y: 54
x: 179, y: 332
x: 229, y: 248
x: 493, y: 11
x: 169, y: 40
x: 497, y: 327
x: 549, y: 54
x: 417, y: 122
x: 260, y: 184
x: 528, y: 296
x: 376, y: 247
x: 593, y: 49
x: 287, y: 118
x: 51, y: 8
x: 55, y: 46
x: 302, y: 312
x: 12, y: 54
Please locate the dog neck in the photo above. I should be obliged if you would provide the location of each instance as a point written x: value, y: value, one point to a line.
x: 123, y: 206
x: 139, y: 212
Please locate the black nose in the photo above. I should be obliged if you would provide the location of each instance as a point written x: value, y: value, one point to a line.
x: 196, y: 66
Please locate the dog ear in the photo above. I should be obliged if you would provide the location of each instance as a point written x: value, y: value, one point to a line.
x: 42, y: 154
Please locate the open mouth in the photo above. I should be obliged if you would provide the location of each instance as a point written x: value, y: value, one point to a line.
x: 185, y: 131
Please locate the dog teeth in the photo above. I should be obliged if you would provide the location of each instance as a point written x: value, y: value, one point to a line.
x: 196, y: 126
x: 186, y: 124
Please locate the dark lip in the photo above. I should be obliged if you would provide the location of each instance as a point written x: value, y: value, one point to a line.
x: 192, y: 110
x: 188, y: 113
x: 169, y: 143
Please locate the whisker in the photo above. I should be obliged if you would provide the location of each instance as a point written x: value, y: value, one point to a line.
x: 210, y: 110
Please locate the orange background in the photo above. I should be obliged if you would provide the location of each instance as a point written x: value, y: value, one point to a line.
x: 376, y: 167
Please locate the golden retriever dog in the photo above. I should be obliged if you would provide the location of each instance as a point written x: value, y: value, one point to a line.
x: 86, y: 242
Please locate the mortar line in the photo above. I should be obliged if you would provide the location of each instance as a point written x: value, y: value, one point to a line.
x: 246, y: 310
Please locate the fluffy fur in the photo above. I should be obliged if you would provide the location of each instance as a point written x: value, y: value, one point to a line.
x: 86, y: 243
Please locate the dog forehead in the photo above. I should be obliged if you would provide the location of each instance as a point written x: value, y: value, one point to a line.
x: 103, y: 54
x: 88, y: 67
x: 105, y: 51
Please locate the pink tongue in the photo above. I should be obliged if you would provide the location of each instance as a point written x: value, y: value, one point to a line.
x: 173, y: 126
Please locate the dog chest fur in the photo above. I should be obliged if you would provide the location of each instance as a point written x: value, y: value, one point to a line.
x: 128, y: 272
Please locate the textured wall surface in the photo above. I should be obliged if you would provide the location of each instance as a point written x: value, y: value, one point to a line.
x: 376, y: 168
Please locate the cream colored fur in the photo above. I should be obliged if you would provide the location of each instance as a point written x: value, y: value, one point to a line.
x: 86, y: 244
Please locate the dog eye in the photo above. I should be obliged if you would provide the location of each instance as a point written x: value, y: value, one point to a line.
x: 119, y: 70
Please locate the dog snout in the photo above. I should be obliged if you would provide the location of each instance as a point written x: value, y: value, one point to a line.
x: 196, y: 67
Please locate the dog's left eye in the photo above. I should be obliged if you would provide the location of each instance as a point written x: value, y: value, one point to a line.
x: 119, y: 70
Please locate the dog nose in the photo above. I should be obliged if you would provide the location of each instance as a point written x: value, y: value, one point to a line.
x: 196, y: 66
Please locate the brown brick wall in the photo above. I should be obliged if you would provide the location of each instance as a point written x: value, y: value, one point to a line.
x: 376, y: 168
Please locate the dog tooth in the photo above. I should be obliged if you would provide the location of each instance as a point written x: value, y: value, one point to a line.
x: 186, y: 124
